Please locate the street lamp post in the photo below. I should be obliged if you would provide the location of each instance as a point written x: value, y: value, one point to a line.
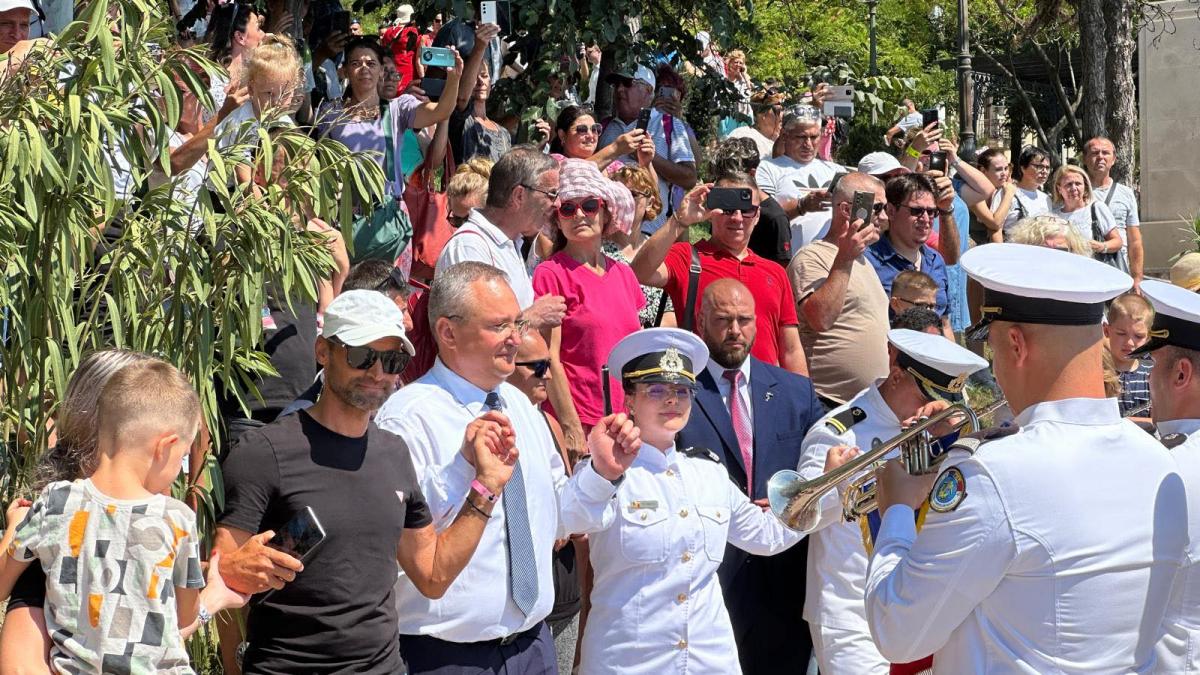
x: 966, y: 108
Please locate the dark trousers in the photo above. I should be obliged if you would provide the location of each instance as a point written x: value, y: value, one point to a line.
x: 530, y: 653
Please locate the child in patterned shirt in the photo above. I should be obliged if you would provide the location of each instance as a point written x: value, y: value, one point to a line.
x: 1127, y: 327
x: 122, y: 559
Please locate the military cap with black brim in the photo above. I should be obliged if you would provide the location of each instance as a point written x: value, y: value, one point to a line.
x: 659, y: 355
x: 1176, y: 317
x: 1040, y: 285
x: 939, y: 366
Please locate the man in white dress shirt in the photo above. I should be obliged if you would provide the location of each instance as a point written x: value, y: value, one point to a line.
x: 492, y: 619
x: 522, y: 190
x: 1052, y: 549
x: 1175, y: 392
x: 923, y: 368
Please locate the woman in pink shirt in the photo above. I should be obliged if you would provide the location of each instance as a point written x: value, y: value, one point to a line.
x: 602, y: 295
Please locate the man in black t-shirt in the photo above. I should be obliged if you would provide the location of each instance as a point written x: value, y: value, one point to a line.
x: 339, y: 615
x: 772, y: 236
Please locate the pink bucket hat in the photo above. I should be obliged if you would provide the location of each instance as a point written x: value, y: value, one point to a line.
x: 580, y: 179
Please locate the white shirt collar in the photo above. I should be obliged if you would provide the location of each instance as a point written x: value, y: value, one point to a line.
x: 1184, y: 426
x: 1084, y: 411
x: 718, y: 371
x: 489, y: 228
x: 874, y: 400
x: 467, y: 394
x: 655, y: 459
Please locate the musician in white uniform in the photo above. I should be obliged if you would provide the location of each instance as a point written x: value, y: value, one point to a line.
x: 658, y: 536
x: 1051, y: 550
x: 1175, y: 392
x: 924, y: 370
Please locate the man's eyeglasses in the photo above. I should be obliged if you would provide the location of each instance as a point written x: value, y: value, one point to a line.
x: 924, y: 305
x: 1040, y: 167
x: 746, y: 213
x: 918, y: 211
x: 516, y: 328
x: 552, y: 194
x: 456, y: 221
x: 539, y: 367
x: 363, y: 358
x: 594, y: 129
x: 590, y: 206
x: 666, y: 392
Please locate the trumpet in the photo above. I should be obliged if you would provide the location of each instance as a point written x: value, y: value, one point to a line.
x: 796, y: 501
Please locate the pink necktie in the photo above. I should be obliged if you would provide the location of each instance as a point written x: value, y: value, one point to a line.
x: 741, y: 426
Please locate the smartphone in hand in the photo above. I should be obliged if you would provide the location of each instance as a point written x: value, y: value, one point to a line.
x: 929, y: 117
x: 437, y: 57
x: 729, y: 199
x: 300, y: 536
x: 643, y: 121
x: 862, y: 207
x: 937, y: 161
x: 487, y: 12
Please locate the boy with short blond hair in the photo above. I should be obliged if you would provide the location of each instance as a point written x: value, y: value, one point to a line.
x: 1128, y: 327
x: 121, y: 558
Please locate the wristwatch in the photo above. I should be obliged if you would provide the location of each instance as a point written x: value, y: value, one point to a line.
x: 947, y: 212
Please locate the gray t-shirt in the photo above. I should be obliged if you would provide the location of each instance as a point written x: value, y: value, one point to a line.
x: 1124, y: 207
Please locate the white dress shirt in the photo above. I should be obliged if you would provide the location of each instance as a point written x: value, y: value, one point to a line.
x: 717, y: 371
x: 480, y: 240
x: 1179, y: 650
x: 656, y: 543
x: 1060, y: 558
x: 431, y: 416
x: 837, y: 559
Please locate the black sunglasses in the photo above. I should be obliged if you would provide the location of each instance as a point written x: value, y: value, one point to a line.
x: 362, y: 358
x: 749, y: 212
x: 583, y: 129
x: 395, y: 281
x: 539, y: 367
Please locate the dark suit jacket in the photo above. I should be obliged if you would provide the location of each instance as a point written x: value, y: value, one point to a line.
x: 765, y: 595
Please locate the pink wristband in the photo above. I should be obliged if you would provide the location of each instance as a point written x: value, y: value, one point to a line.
x: 483, y: 491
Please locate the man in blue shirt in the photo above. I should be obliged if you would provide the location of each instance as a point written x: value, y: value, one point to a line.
x: 913, y: 205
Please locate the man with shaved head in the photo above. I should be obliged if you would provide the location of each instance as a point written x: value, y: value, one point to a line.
x: 753, y: 416
x: 842, y: 307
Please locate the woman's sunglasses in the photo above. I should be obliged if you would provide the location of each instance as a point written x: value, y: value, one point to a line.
x: 591, y: 206
x: 539, y: 367
x: 594, y: 129
x: 362, y: 358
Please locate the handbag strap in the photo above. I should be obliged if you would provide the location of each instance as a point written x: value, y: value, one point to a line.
x: 693, y: 284
x: 1111, y: 191
x: 1096, y: 235
x: 389, y: 149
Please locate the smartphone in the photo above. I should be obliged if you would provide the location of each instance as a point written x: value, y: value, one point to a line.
x: 437, y: 57
x: 667, y: 92
x: 937, y: 162
x: 340, y: 21
x: 839, y: 102
x: 433, y: 87
x: 729, y: 199
x: 643, y: 122
x: 929, y: 117
x: 862, y: 207
x: 487, y: 12
x: 300, y: 536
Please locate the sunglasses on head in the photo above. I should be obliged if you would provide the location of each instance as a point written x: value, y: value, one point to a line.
x: 362, y: 358
x: 591, y: 206
x: 582, y: 129
x: 539, y: 367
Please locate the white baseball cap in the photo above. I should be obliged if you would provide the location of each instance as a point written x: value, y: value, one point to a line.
x: 8, y: 5
x: 880, y: 164
x: 640, y: 73
x: 404, y: 13
x: 360, y: 317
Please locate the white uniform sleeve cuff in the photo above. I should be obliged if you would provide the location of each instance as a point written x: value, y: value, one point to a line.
x: 596, y: 487
x: 899, y: 524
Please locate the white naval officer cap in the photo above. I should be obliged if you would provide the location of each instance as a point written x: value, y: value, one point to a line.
x: 1040, y: 285
x: 940, y: 367
x: 668, y: 355
x: 1176, y: 317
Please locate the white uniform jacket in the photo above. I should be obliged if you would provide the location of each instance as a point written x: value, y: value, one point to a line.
x: 656, y: 543
x: 837, y: 560
x: 1059, y: 559
x: 1179, y: 650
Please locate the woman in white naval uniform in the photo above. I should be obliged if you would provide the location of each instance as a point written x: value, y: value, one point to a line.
x: 659, y: 534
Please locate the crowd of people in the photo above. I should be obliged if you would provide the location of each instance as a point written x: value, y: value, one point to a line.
x: 540, y: 434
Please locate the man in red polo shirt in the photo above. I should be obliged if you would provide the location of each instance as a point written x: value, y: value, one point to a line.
x: 665, y: 261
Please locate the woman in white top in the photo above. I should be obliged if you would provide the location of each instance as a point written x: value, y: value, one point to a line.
x: 234, y: 29
x: 1073, y: 202
x: 658, y: 538
x: 1018, y: 197
x: 767, y: 105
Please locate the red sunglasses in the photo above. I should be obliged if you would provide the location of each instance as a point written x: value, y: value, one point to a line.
x: 591, y: 206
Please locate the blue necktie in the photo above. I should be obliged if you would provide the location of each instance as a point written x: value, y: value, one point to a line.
x: 522, y: 567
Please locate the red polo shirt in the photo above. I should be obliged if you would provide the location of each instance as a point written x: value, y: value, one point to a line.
x: 774, y: 304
